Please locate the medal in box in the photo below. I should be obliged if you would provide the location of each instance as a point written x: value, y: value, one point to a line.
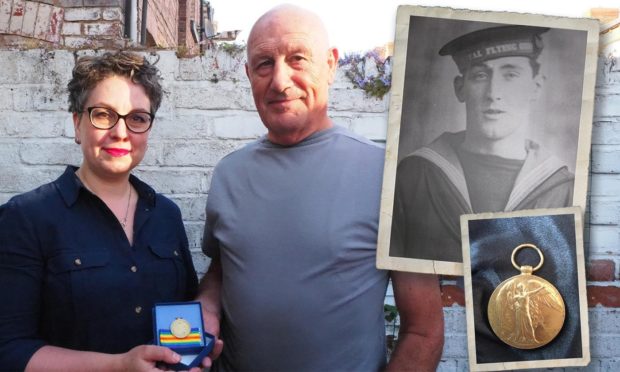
x: 178, y: 325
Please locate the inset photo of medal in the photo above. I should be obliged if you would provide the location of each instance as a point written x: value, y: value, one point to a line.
x: 525, y: 289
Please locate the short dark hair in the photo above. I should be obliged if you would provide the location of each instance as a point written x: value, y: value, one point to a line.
x: 90, y: 70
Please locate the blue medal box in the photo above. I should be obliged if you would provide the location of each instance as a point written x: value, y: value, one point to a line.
x: 178, y: 325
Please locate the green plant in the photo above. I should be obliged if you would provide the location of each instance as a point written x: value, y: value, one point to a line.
x: 356, y: 70
x: 232, y: 49
x: 183, y: 51
x: 391, y: 312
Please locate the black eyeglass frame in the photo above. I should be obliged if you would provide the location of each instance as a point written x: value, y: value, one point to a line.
x: 119, y: 117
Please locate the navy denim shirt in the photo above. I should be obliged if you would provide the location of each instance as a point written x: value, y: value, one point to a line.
x: 70, y: 278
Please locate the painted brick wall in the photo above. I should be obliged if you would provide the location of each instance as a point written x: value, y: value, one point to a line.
x: 31, y: 19
x: 208, y: 112
x: 84, y: 24
x: 69, y: 23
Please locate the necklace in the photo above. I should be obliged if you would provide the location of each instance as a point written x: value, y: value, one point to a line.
x: 123, y: 222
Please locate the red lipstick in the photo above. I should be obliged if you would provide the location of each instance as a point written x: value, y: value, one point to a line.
x: 116, y: 152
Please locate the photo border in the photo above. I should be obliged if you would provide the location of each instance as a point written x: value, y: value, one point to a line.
x: 581, y: 282
x: 582, y: 164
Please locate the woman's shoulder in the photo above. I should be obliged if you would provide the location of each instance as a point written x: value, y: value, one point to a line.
x: 40, y: 197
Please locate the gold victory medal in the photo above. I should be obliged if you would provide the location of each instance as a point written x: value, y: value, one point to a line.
x: 526, y: 311
x: 180, y: 328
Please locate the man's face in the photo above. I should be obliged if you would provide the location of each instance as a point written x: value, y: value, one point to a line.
x: 498, y: 94
x: 290, y: 69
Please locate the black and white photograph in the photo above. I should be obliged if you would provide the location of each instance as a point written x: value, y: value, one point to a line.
x: 525, y: 289
x: 493, y: 114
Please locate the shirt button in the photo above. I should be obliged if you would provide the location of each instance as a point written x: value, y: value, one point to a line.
x: 138, y: 309
x: 134, y: 269
x: 176, y: 253
x: 77, y: 262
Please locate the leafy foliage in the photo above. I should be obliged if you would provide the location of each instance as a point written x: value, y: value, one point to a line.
x: 369, y: 72
x: 391, y: 312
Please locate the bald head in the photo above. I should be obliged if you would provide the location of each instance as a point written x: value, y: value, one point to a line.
x: 289, y: 18
x: 291, y: 66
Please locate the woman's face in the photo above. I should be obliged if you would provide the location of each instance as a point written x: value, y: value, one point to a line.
x: 112, y: 153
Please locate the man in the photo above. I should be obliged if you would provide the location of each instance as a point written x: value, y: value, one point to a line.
x: 489, y: 167
x: 292, y: 225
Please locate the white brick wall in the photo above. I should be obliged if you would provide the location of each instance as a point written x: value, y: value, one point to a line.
x: 207, y: 112
x: 82, y: 14
x: 201, y: 120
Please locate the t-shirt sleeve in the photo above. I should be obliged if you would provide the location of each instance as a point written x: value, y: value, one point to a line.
x: 210, y: 244
x: 21, y: 275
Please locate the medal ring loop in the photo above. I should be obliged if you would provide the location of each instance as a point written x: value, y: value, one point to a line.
x: 527, y: 245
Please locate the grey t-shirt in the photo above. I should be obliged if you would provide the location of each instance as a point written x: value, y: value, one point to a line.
x: 296, y: 230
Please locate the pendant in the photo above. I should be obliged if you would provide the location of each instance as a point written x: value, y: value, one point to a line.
x: 526, y: 311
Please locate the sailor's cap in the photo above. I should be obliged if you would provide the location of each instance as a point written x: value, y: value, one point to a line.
x: 494, y: 42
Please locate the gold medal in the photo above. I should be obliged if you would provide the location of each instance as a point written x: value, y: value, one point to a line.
x: 526, y: 311
x: 180, y: 328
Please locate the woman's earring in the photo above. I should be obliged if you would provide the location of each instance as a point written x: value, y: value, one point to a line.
x: 77, y: 140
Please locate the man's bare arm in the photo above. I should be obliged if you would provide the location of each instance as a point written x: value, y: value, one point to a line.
x: 209, y: 292
x: 421, y: 336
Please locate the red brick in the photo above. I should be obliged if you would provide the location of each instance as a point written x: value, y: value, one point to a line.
x: 451, y: 277
x: 162, y: 22
x: 56, y: 21
x: 608, y: 296
x: 601, y: 270
x: 451, y: 294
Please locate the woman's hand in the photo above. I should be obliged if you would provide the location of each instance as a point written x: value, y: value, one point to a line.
x: 145, y: 358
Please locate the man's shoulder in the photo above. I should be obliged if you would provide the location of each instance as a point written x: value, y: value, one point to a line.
x: 240, y: 155
x: 354, y: 137
x: 356, y: 144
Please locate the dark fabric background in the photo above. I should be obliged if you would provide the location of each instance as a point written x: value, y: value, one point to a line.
x: 491, y: 244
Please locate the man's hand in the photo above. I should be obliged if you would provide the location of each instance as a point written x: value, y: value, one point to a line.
x: 211, y: 324
x: 209, y: 297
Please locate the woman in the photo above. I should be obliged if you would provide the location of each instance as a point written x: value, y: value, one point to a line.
x: 83, y: 259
